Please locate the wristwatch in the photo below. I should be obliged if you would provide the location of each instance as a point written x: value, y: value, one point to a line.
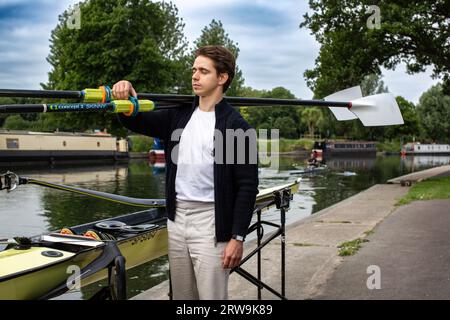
x: 238, y: 237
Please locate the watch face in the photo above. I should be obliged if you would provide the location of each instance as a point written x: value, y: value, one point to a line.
x: 239, y: 238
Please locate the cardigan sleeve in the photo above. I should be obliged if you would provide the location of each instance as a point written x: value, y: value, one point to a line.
x: 154, y: 123
x: 245, y: 176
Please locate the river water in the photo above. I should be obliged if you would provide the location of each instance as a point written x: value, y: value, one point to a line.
x: 30, y: 210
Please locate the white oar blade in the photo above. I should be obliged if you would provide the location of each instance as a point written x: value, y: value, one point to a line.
x: 377, y: 110
x: 343, y: 114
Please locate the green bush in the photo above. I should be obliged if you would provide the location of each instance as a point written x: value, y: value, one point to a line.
x: 16, y: 122
x: 389, y: 146
x: 289, y: 145
x: 140, y: 143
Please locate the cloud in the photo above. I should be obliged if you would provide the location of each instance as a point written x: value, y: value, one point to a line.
x: 411, y: 87
x: 273, y: 50
x: 25, y: 28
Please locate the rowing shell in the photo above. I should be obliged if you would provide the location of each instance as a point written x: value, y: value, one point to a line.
x: 308, y: 170
x: 30, y: 272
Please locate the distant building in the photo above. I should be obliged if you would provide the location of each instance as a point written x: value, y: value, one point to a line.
x: 34, y: 146
x: 421, y: 148
x: 344, y: 148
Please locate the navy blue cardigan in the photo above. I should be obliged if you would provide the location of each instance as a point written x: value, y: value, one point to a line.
x: 235, y: 184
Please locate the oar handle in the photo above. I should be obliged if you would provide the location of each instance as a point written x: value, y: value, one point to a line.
x: 126, y: 106
x: 43, y: 94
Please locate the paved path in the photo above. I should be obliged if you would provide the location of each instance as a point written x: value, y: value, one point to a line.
x: 411, y: 249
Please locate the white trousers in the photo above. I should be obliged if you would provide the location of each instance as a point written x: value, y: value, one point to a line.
x: 195, y: 258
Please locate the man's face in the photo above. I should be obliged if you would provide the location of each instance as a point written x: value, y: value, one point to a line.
x: 205, y: 79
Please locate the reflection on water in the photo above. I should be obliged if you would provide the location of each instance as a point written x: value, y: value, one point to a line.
x: 31, y: 210
x: 415, y: 163
x: 342, y: 163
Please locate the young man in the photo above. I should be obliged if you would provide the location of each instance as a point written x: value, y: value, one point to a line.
x: 210, y: 199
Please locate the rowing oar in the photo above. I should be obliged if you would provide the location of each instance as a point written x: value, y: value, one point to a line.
x: 9, y: 181
x: 376, y: 110
x: 117, y: 106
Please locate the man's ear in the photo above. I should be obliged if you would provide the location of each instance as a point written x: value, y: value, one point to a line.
x: 223, y: 77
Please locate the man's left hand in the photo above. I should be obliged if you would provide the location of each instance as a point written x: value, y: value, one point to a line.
x: 232, y: 255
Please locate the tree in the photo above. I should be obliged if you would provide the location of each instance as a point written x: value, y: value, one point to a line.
x: 372, y: 84
x: 40, y: 123
x: 410, y: 128
x: 275, y: 112
x: 137, y: 40
x: 16, y: 122
x: 3, y: 116
x: 25, y: 116
x: 214, y: 34
x: 312, y: 117
x: 266, y: 117
x: 287, y: 127
x: 434, y: 114
x: 415, y: 32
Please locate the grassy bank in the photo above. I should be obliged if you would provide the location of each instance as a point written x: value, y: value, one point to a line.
x: 435, y: 188
x: 289, y: 145
x: 141, y: 143
x: 389, y: 146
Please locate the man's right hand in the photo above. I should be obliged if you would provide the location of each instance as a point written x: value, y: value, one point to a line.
x: 123, y: 89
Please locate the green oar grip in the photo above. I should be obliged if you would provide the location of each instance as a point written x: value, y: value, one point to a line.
x: 93, y: 96
x: 101, y: 95
x: 127, y: 107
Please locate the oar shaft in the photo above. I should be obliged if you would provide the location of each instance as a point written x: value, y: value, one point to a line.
x: 22, y: 108
x: 165, y: 101
x: 44, y: 94
x: 260, y: 102
x: 284, y: 102
x: 55, y: 107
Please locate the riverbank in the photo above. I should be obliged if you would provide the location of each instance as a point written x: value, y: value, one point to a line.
x: 312, y: 246
x: 286, y: 146
x: 304, y: 145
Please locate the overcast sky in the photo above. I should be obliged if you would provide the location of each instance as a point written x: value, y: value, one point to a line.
x: 273, y: 50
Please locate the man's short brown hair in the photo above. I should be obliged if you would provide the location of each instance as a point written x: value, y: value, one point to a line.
x: 224, y: 61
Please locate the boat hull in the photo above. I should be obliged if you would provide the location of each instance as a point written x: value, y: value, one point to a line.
x: 34, y: 281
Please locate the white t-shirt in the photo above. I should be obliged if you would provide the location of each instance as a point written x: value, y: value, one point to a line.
x: 195, y: 172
